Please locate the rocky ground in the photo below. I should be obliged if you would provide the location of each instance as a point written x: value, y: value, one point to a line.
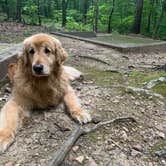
x: 102, y: 91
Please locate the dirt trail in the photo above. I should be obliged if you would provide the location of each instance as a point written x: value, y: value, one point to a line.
x: 99, y: 93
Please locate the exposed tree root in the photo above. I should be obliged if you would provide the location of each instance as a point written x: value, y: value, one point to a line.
x: 93, y: 58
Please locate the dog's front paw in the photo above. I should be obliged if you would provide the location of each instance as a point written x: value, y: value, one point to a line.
x: 6, y: 139
x: 82, y: 116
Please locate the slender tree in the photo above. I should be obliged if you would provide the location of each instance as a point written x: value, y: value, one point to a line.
x: 138, y: 16
x: 7, y: 9
x: 38, y: 12
x: 57, y: 4
x: 109, y: 30
x: 96, y: 16
x: 85, y: 9
x: 64, y: 12
x: 19, y: 8
x: 149, y: 16
x: 163, y: 10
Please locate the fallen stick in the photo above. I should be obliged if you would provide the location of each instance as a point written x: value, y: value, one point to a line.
x: 60, y: 154
x: 92, y: 58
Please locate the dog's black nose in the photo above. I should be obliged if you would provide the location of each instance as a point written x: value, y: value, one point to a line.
x: 38, y: 68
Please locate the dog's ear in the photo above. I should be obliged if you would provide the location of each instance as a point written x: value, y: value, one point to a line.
x: 60, y: 53
x: 23, y: 55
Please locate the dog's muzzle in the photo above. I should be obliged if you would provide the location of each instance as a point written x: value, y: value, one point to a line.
x: 38, y: 69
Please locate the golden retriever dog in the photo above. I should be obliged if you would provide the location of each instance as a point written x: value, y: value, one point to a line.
x: 39, y: 81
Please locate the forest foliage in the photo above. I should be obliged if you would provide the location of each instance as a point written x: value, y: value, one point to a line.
x: 146, y: 17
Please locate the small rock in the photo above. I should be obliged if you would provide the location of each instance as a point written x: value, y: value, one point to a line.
x: 80, y: 159
x: 8, y: 90
x: 137, y: 147
x: 78, y: 88
x: 160, y: 134
x: 137, y: 103
x: 124, y: 135
x: 96, y: 119
x: 8, y: 164
x: 92, y: 162
x: 150, y: 164
x: 110, y: 147
x: 75, y: 148
x: 17, y: 165
x: 115, y: 101
x: 135, y: 153
x: 88, y: 82
x: 160, y: 153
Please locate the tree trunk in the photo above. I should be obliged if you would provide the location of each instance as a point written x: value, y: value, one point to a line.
x: 7, y: 9
x: 57, y: 4
x: 149, y: 16
x: 18, y: 14
x: 85, y: 9
x: 96, y: 16
x: 64, y: 12
x: 38, y: 12
x: 138, y: 17
x: 49, y: 9
x: 110, y: 17
x: 160, y: 19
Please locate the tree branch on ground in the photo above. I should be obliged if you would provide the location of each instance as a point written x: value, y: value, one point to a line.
x: 60, y: 154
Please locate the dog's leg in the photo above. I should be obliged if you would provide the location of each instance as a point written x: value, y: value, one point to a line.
x: 74, y: 108
x: 9, y: 120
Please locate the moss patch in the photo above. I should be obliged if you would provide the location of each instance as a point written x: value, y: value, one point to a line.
x: 137, y: 78
x: 160, y: 88
x: 101, y: 78
x: 158, y: 146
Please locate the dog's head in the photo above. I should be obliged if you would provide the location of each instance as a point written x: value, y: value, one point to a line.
x: 43, y: 54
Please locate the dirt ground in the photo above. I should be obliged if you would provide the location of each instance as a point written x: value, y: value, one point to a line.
x: 103, y: 93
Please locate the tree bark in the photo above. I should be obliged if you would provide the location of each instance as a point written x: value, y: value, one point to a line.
x: 85, y: 9
x: 7, y: 9
x: 138, y: 16
x: 18, y: 14
x: 38, y: 12
x: 57, y: 4
x: 157, y: 26
x: 110, y: 17
x: 149, y: 16
x: 96, y: 16
x: 64, y: 12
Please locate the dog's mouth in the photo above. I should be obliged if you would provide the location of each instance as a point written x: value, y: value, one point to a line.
x: 40, y: 74
x: 39, y: 70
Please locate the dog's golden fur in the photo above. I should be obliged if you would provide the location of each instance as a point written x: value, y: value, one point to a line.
x: 37, y: 90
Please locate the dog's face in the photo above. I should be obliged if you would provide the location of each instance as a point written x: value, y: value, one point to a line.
x: 42, y: 53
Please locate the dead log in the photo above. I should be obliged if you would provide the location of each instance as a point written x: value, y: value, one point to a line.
x: 60, y: 154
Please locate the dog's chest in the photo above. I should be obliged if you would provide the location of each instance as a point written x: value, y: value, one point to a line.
x: 43, y: 98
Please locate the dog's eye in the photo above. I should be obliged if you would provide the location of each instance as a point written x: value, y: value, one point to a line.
x: 32, y: 51
x: 46, y: 50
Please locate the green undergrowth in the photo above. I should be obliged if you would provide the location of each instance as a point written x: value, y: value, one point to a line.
x: 159, y: 146
x: 138, y: 77
x: 160, y: 88
x: 120, y: 39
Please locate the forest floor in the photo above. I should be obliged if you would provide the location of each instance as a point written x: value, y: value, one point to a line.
x: 102, y: 91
